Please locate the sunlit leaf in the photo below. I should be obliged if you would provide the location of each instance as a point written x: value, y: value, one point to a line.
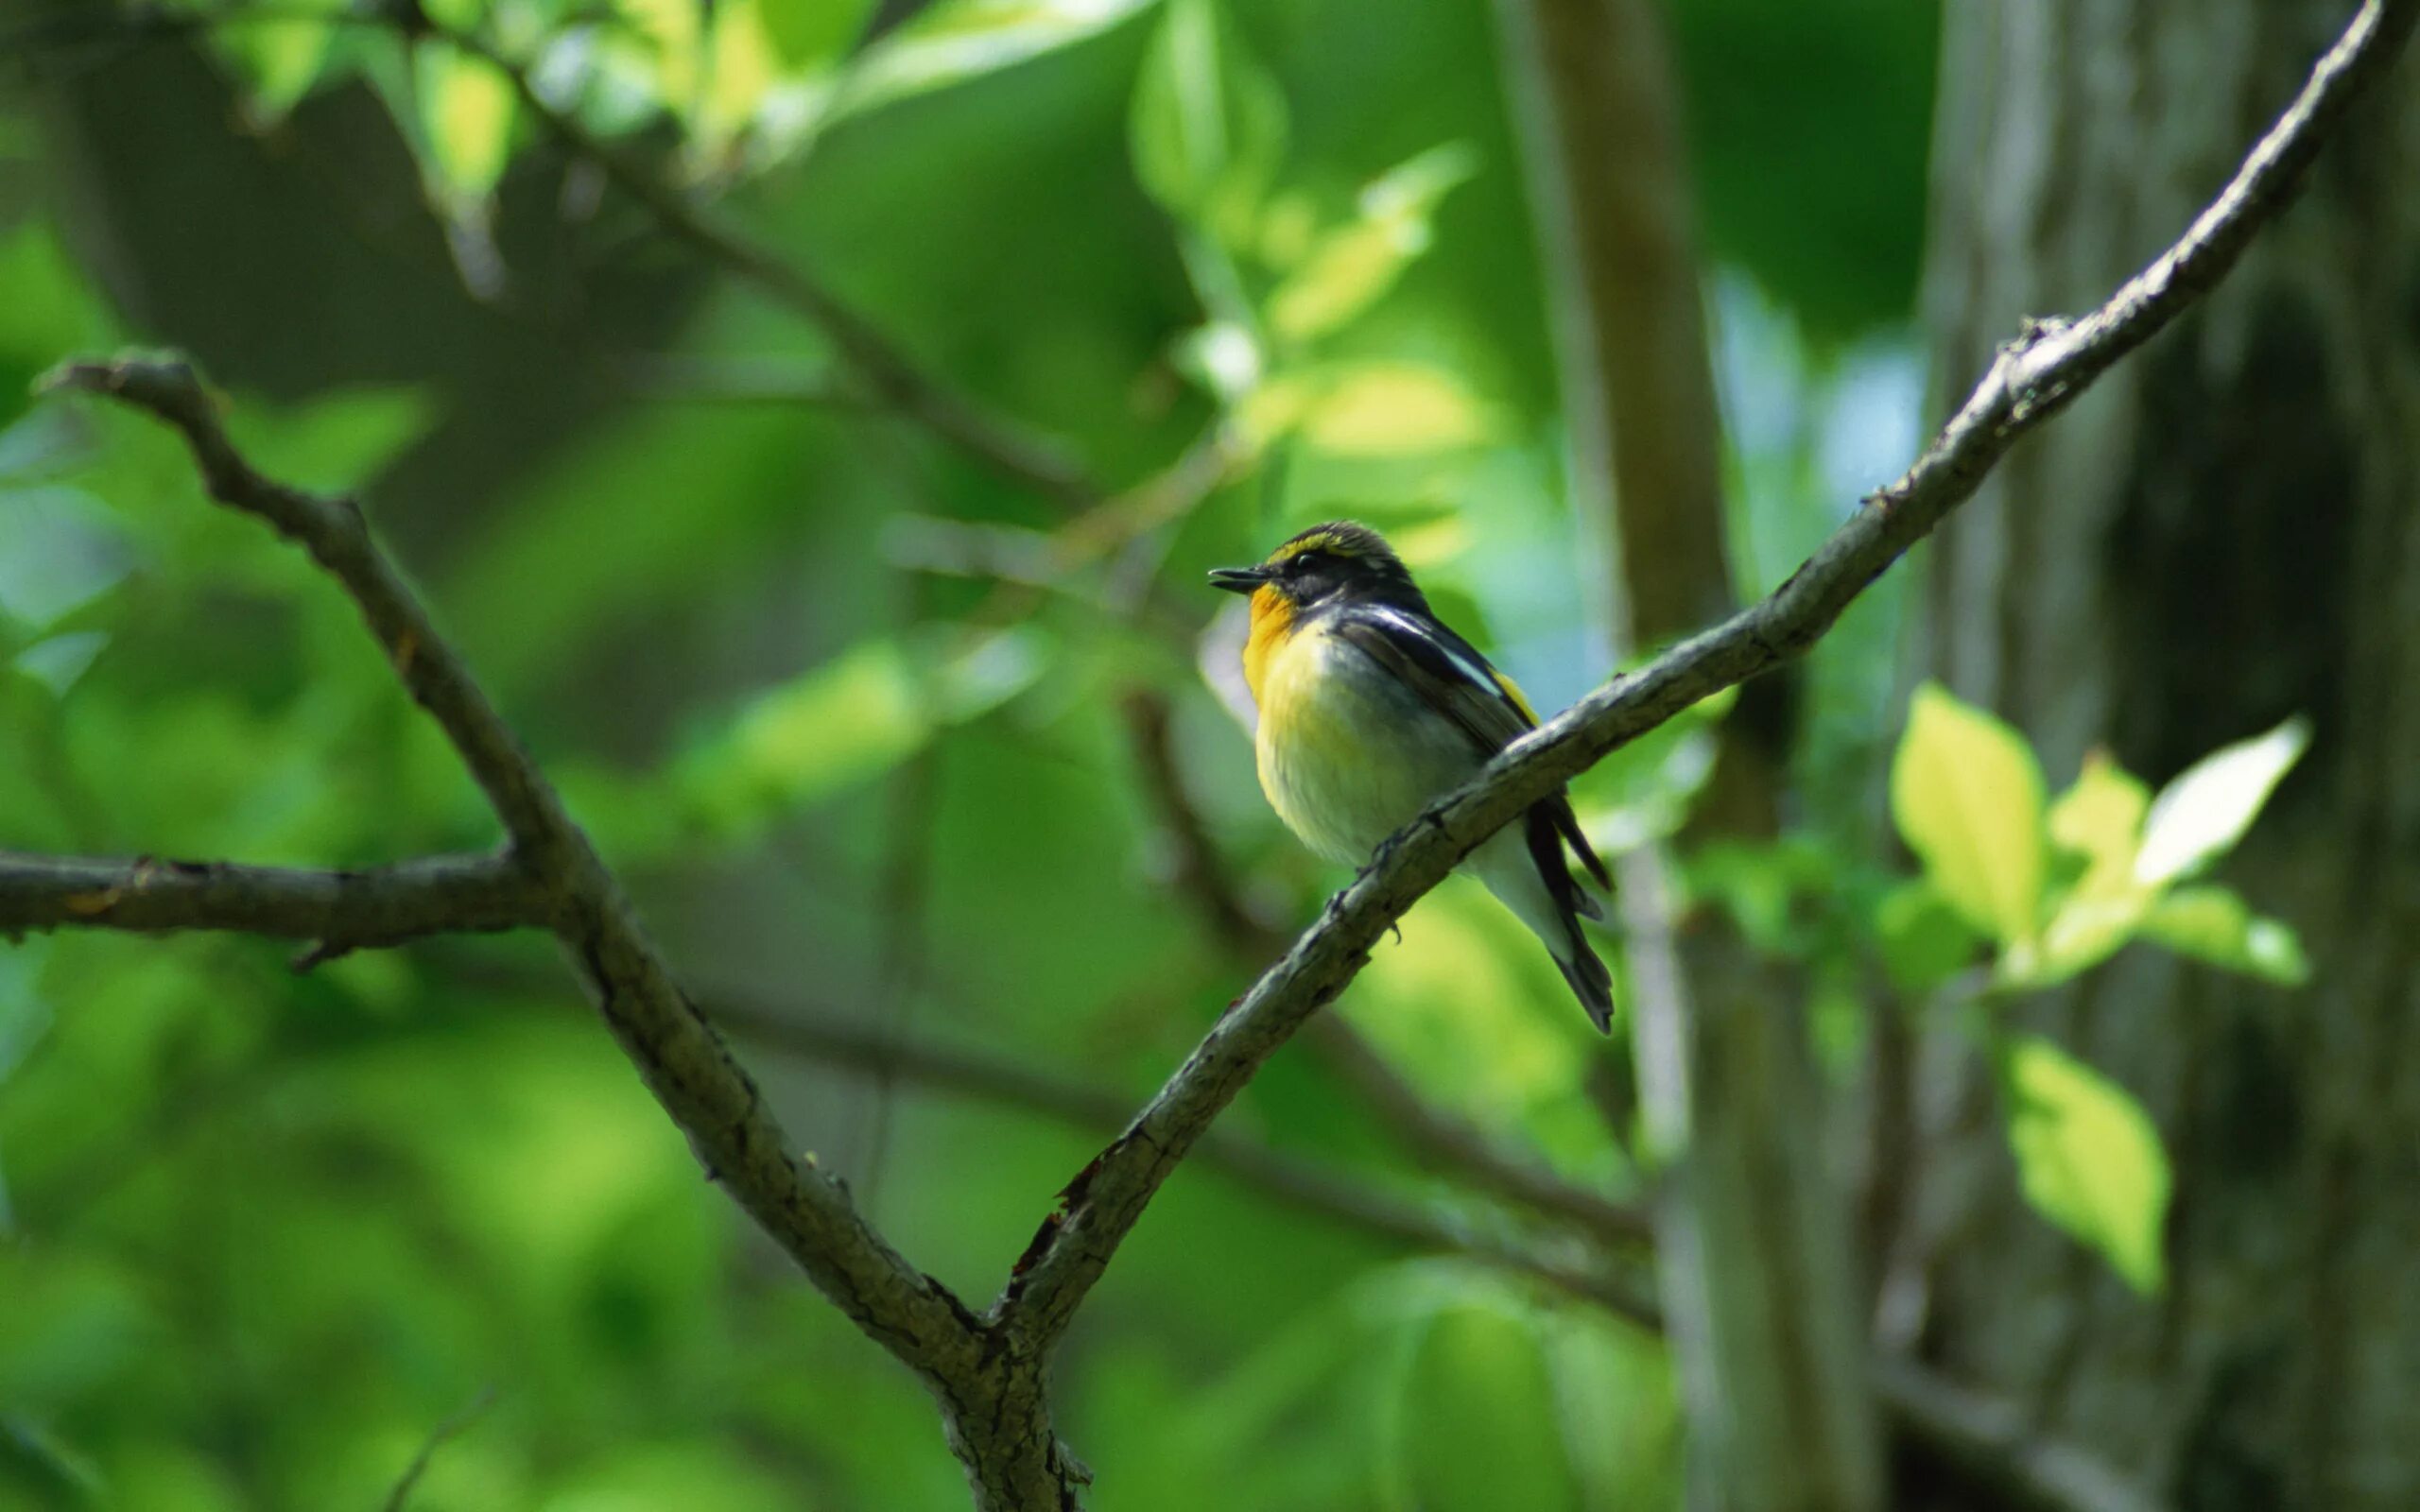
x: 849, y: 718
x: 853, y: 716
x: 957, y: 40
x: 2088, y: 1157
x: 1967, y: 796
x: 2210, y: 804
x: 281, y: 58
x: 2101, y: 818
x: 336, y: 441
x: 1208, y: 124
x: 466, y: 109
x: 2213, y: 924
x: 2085, y: 930
x: 1350, y: 268
x: 1376, y: 409
x: 741, y: 65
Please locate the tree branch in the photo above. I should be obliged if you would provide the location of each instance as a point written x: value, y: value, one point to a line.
x: 1438, y: 1138
x: 2031, y: 379
x: 348, y: 910
x: 1347, y: 1198
x: 684, y: 1062
x: 1984, y: 1436
x: 988, y: 1372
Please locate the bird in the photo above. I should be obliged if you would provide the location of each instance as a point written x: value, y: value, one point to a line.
x: 1371, y: 708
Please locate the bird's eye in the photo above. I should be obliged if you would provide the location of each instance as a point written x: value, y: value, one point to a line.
x: 1308, y: 561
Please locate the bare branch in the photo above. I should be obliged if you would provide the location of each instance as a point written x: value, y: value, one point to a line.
x: 1436, y: 1136
x: 684, y: 1062
x: 450, y: 1428
x: 1343, y: 1197
x: 2032, y: 378
x: 383, y: 905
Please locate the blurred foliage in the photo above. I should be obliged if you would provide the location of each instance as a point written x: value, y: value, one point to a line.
x: 265, y: 1233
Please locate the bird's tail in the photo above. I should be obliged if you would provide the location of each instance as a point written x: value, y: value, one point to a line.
x: 1524, y: 866
x: 1590, y: 981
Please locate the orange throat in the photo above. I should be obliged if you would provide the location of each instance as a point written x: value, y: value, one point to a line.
x: 1272, y: 618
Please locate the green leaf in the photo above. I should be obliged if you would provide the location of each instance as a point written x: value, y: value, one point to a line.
x: 2101, y: 818
x: 961, y: 39
x: 845, y: 721
x: 1923, y: 941
x: 1351, y: 268
x: 742, y: 65
x: 809, y: 32
x: 2088, y: 1157
x: 466, y: 109
x: 1967, y: 795
x: 1208, y: 125
x: 2213, y: 924
x: 281, y: 58
x: 1367, y: 410
x: 334, y: 442
x: 2085, y: 930
x: 2209, y: 806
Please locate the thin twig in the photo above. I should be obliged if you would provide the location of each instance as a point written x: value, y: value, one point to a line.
x: 464, y: 1417
x: 1343, y: 1197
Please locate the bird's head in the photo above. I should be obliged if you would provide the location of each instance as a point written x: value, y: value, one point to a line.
x: 1338, y: 560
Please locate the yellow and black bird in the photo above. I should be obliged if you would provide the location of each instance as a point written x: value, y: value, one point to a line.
x: 1370, y: 709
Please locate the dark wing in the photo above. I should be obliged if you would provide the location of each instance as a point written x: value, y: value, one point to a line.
x: 1451, y: 676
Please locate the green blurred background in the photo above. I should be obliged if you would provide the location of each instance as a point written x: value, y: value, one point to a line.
x: 853, y: 716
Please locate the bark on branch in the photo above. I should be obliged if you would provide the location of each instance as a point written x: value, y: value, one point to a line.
x: 988, y: 1372
x: 2035, y: 375
x: 683, y: 1060
x: 343, y: 910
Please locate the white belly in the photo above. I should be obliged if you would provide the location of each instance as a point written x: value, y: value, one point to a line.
x: 1348, y: 756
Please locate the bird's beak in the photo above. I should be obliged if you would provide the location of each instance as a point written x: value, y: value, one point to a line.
x: 1238, y: 579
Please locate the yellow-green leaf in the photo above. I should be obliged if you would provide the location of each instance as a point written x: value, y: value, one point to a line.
x: 1967, y: 793
x: 1352, y: 267
x: 2209, y: 806
x: 467, y: 109
x: 2215, y: 925
x: 1208, y: 123
x: 1382, y: 409
x: 2101, y: 818
x: 2088, y: 1159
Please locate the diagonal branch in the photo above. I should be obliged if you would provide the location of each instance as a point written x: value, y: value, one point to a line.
x: 1433, y: 1134
x: 1349, y: 1199
x: 684, y: 1062
x: 2033, y: 378
x: 349, y: 910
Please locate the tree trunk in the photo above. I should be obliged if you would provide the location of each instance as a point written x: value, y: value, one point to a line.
x: 2225, y: 532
